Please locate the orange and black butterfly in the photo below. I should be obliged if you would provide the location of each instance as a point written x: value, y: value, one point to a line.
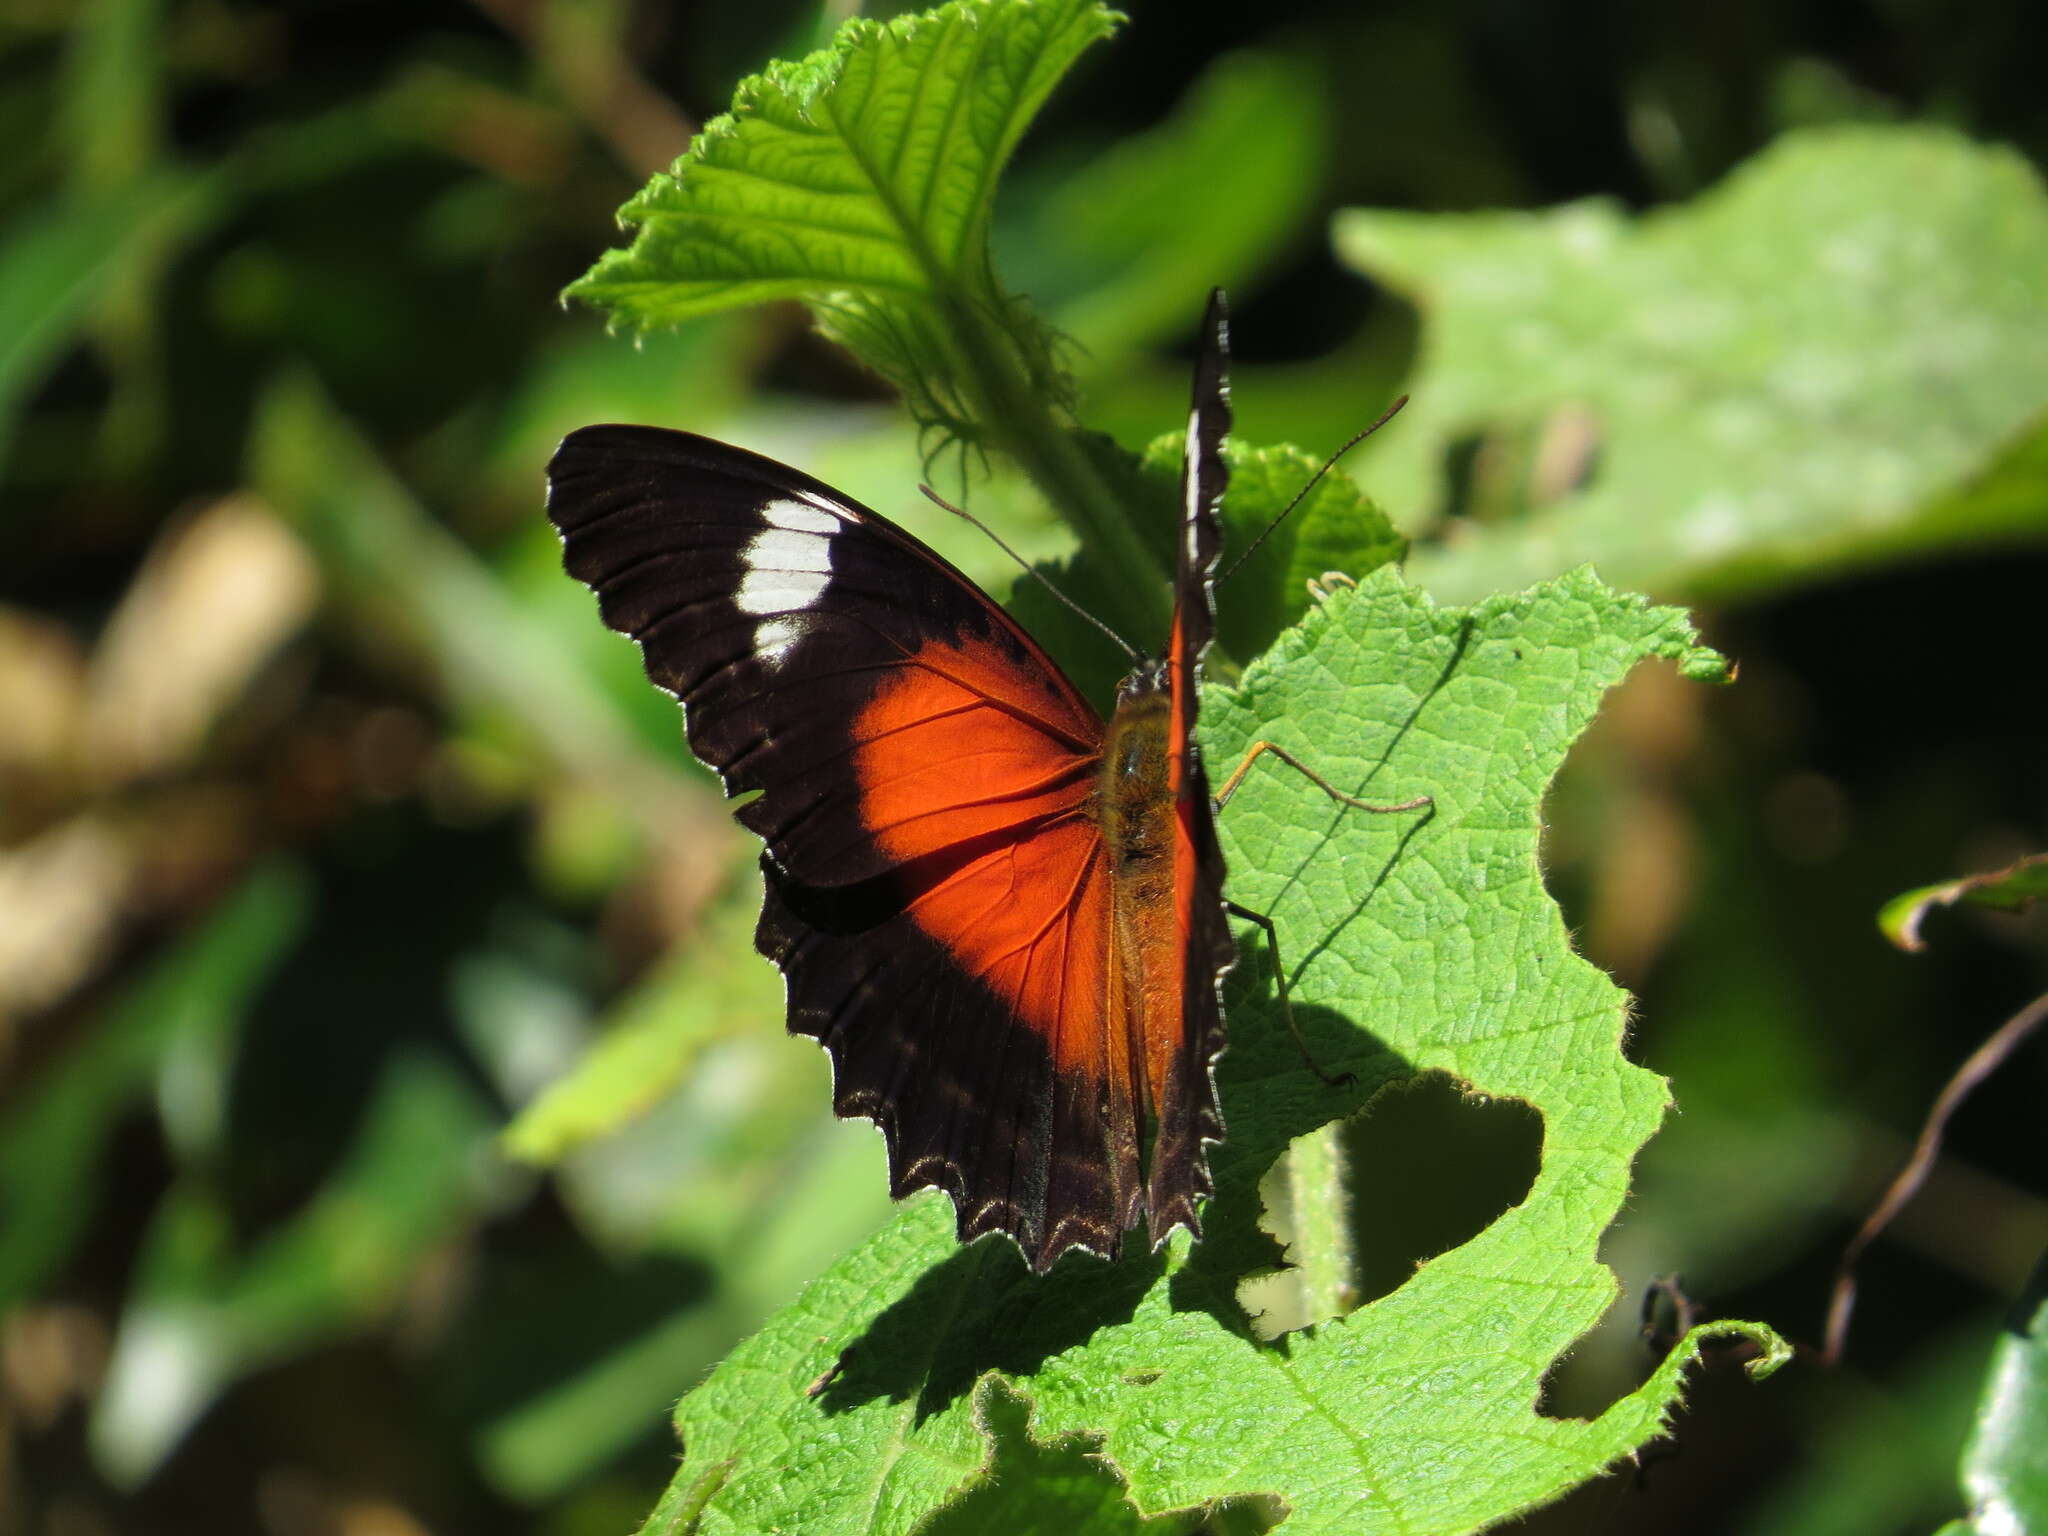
x: 1002, y: 916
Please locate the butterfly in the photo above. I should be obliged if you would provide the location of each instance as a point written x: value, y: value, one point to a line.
x: 1002, y: 915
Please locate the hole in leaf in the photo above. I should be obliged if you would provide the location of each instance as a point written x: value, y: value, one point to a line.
x: 1433, y: 1164
x: 1644, y: 1325
x: 1430, y: 1165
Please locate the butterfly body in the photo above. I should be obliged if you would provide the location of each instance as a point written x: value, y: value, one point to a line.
x: 1001, y: 915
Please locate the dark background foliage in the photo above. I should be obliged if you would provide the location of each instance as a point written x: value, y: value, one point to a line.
x: 310, y: 902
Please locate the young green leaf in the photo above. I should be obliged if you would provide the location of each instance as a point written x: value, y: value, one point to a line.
x: 1416, y: 942
x: 1337, y: 527
x: 1839, y: 354
x: 861, y: 176
x: 860, y: 180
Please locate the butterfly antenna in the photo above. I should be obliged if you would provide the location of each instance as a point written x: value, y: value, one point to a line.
x: 1029, y: 569
x: 1313, y: 480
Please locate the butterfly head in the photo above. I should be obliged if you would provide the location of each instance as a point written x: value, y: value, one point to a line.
x: 1148, y: 676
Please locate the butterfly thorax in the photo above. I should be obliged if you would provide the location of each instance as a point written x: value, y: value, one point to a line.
x: 1134, y: 800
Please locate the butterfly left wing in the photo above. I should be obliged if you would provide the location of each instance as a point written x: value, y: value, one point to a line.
x: 937, y: 897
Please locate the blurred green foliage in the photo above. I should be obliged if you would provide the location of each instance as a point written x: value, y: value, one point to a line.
x: 336, y: 830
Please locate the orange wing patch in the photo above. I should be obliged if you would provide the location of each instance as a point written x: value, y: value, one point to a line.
x: 947, y: 755
x: 1031, y: 922
x: 947, y: 751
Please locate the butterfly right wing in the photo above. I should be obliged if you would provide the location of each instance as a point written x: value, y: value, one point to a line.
x: 922, y: 772
x: 1185, y: 1047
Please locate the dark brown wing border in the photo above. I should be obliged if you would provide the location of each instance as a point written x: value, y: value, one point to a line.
x: 1188, y: 1113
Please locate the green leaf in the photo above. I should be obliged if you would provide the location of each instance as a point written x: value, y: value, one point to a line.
x: 1420, y: 942
x: 192, y: 998
x: 1249, y: 136
x: 860, y: 180
x: 2005, y: 1464
x: 1063, y: 1487
x: 59, y: 262
x: 2012, y: 889
x: 1337, y: 527
x: 1838, y: 355
x: 655, y: 1037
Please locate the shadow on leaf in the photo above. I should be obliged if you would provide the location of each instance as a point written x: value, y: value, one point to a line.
x: 1066, y: 1485
x: 982, y: 1309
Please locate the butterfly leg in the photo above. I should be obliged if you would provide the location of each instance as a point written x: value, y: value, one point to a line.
x: 1321, y: 587
x: 1230, y: 784
x: 1332, y: 1079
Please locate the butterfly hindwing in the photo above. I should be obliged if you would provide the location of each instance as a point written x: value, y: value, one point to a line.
x: 970, y: 1099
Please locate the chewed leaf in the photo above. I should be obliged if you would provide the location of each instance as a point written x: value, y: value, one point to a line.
x: 860, y: 180
x: 1416, y: 942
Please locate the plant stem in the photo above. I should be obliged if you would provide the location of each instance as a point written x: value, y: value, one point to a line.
x: 1022, y: 420
x: 1319, y: 1196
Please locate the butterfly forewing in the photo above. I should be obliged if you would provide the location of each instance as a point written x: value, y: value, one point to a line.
x: 787, y: 618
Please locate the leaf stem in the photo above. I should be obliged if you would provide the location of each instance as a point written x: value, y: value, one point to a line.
x: 1021, y: 419
x: 1319, y: 1196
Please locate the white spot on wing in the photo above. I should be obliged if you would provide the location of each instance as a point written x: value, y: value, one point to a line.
x: 800, y: 517
x: 789, y: 562
x: 773, y: 639
x: 789, y: 565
